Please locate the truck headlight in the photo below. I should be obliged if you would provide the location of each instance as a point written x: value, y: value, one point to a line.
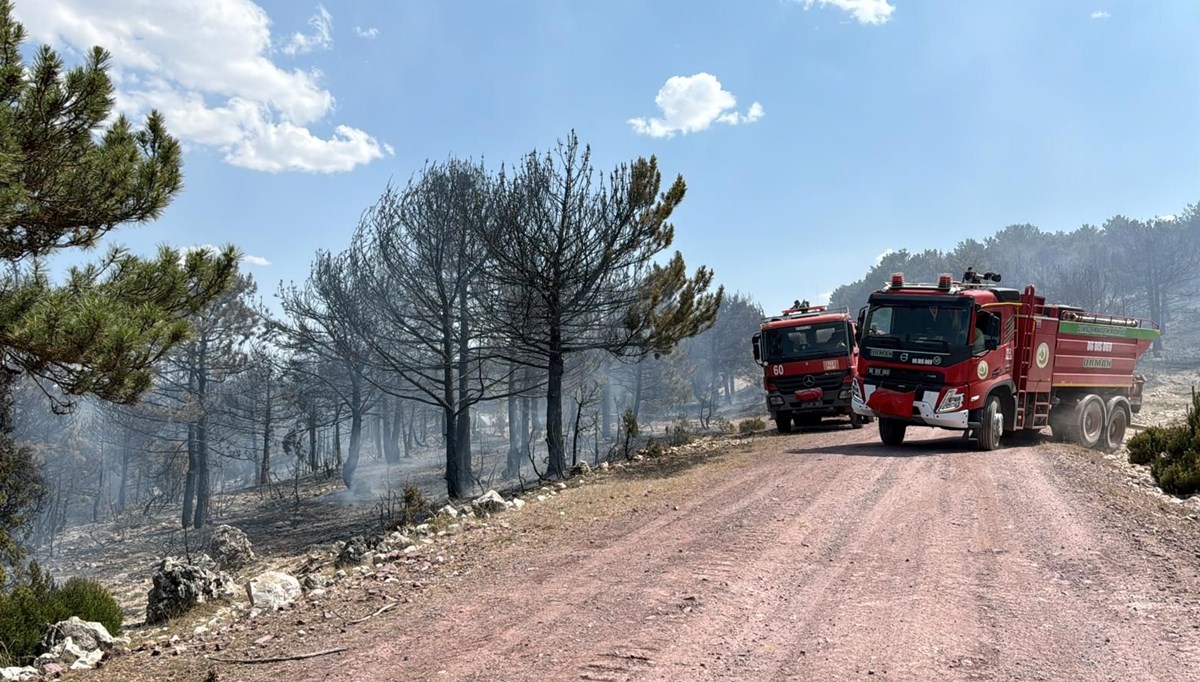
x: 953, y: 400
x: 775, y: 400
x: 844, y: 394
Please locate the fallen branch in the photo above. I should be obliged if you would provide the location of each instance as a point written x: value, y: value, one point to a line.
x: 383, y: 608
x: 279, y: 659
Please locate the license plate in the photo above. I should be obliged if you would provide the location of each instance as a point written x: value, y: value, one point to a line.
x: 815, y: 403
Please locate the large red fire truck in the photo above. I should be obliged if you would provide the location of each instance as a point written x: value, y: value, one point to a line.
x: 986, y: 360
x: 808, y: 355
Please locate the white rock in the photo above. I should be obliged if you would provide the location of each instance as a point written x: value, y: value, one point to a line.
x: 518, y: 503
x: 87, y: 635
x: 540, y: 498
x: 15, y: 674
x: 273, y: 590
x: 88, y: 660
x: 449, y: 510
x: 490, y: 502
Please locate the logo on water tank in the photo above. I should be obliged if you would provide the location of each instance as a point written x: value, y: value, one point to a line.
x: 1043, y: 355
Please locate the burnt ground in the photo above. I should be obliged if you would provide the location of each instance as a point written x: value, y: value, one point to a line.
x: 817, y: 555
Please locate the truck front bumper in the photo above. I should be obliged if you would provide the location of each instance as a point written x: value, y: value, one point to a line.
x: 924, y: 411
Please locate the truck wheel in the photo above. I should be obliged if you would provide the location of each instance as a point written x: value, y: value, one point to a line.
x: 1088, y: 425
x: 856, y: 420
x: 783, y: 423
x: 991, y: 425
x: 891, y: 431
x: 1114, y: 430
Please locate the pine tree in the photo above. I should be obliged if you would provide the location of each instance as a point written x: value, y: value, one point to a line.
x: 65, y: 183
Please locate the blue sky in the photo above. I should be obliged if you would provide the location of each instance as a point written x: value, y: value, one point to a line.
x: 813, y: 134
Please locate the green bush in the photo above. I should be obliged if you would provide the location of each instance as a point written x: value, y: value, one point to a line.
x: 1178, y: 475
x: 752, y: 425
x: 1145, y: 447
x: 1173, y: 452
x: 34, y: 603
x: 89, y: 600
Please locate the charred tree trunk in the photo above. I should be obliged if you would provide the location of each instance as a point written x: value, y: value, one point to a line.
x: 399, y: 431
x: 606, y: 417
x: 512, y: 466
x: 462, y: 445
x: 556, y: 464
x: 126, y: 447
x: 264, y: 464
x: 189, y: 483
x: 356, y: 423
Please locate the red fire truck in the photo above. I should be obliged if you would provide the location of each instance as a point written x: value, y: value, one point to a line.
x: 808, y: 355
x: 988, y: 361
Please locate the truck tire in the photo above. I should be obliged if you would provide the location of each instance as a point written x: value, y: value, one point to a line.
x: 1087, y: 428
x: 1114, y: 427
x: 991, y: 425
x: 891, y: 431
x: 783, y: 423
x: 856, y: 420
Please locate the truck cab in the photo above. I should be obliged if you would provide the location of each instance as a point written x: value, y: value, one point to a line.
x: 808, y: 355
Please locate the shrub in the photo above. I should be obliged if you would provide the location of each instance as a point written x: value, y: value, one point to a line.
x: 679, y: 433
x: 35, y: 603
x: 1145, y: 447
x: 1178, y: 475
x: 1173, y: 452
x: 752, y: 425
x: 723, y: 425
x: 89, y: 600
x: 653, y: 449
x: 414, y: 507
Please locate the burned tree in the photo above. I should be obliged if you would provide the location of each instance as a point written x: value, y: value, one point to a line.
x: 574, y: 267
x: 421, y: 264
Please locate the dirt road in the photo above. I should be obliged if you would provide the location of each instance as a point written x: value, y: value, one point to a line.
x: 814, y: 556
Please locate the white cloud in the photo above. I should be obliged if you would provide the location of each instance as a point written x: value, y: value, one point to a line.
x: 321, y: 37
x: 693, y: 103
x: 1168, y: 218
x: 863, y: 11
x: 1100, y: 14
x: 256, y: 260
x: 369, y: 32
x: 212, y: 250
x: 233, y: 99
x: 885, y: 254
x: 823, y: 298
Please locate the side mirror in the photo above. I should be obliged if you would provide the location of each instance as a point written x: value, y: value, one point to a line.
x: 991, y: 325
x: 756, y: 340
x: 991, y: 343
x: 858, y: 330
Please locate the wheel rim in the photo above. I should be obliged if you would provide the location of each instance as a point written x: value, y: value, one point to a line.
x: 997, y: 426
x: 1092, y: 422
x: 1116, y: 429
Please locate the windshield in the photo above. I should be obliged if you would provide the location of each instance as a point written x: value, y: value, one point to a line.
x: 918, y: 327
x: 806, y: 342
